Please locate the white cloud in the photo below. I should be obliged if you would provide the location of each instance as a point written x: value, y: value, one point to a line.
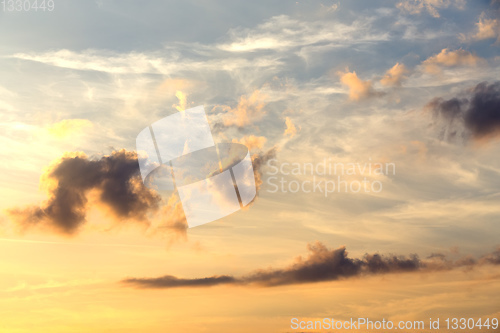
x: 284, y: 33
x: 159, y: 62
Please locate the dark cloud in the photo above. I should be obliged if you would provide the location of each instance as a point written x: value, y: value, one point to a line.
x: 437, y: 255
x: 477, y: 116
x: 492, y: 258
x: 259, y: 161
x: 450, y: 109
x: 116, y: 182
x: 375, y: 263
x: 322, y: 264
x: 483, y: 115
x: 115, y: 178
x: 169, y: 281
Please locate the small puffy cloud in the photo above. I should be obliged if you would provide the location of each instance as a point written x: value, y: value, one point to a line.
x: 249, y: 109
x: 252, y: 142
x: 487, y: 28
x: 447, y: 58
x: 68, y: 127
x: 358, y: 89
x: 290, y: 129
x: 430, y: 6
x: 182, y: 101
x: 395, y: 75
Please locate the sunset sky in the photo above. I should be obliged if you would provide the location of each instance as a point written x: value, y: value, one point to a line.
x: 410, y: 84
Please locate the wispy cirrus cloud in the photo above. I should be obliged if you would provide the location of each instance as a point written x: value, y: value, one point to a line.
x: 282, y: 33
x: 165, y: 62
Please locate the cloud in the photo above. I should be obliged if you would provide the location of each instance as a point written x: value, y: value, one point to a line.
x: 69, y: 182
x: 448, y: 116
x: 487, y: 28
x: 100, y: 61
x: 169, y: 281
x: 448, y: 58
x: 165, y: 62
x: 182, y: 101
x: 323, y: 264
x: 283, y: 33
x: 252, y: 142
x: 290, y: 129
x: 259, y: 161
x: 395, y: 75
x: 358, y: 89
x: 173, y: 220
x: 248, y: 110
x: 479, y: 113
x: 170, y: 86
x: 431, y: 6
x: 76, y: 183
x: 68, y: 127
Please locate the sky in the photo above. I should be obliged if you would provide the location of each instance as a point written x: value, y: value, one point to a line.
x: 374, y: 130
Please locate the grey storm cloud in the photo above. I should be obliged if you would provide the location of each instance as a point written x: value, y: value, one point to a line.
x: 321, y: 265
x: 475, y: 114
x: 116, y: 178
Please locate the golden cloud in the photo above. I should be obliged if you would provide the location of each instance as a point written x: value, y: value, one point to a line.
x: 252, y: 142
x: 182, y: 101
x: 447, y: 58
x: 358, y: 89
x: 248, y: 110
x: 68, y: 127
x: 395, y: 75
x: 290, y: 130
